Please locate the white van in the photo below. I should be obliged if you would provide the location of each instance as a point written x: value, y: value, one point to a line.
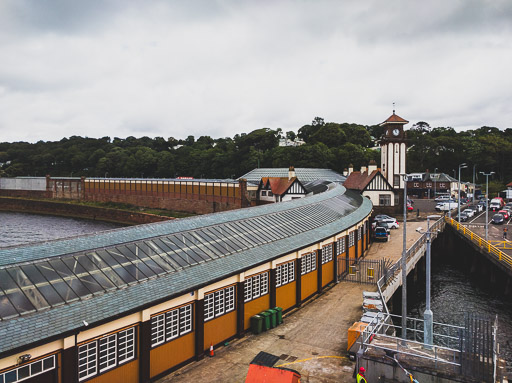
x: 445, y: 206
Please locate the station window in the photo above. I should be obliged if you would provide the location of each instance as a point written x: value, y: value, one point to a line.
x: 340, y: 246
x: 28, y: 370
x: 105, y: 353
x: 308, y: 263
x: 219, y: 303
x: 351, y: 238
x: 264, y: 193
x: 384, y: 200
x: 255, y: 286
x: 327, y: 254
x: 171, y: 324
x: 359, y: 233
x: 285, y: 273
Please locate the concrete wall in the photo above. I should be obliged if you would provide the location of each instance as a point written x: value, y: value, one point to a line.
x: 78, y: 211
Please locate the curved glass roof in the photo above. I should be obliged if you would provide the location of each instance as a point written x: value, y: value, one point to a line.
x: 39, y: 284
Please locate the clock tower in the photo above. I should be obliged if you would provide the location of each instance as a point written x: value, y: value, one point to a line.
x: 393, y: 148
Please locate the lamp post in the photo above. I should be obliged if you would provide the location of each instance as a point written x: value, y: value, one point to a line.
x: 428, y: 316
x: 435, y: 179
x: 474, y: 186
x: 461, y: 166
x: 487, y: 203
x: 404, y: 265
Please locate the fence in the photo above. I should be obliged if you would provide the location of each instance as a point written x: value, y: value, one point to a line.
x: 359, y: 270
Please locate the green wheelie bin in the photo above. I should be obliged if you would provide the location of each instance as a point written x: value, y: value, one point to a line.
x: 266, y: 320
x: 279, y: 313
x: 273, y: 318
x: 256, y: 324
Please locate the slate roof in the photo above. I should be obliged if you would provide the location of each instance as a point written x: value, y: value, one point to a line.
x: 303, y: 174
x: 278, y: 229
x: 278, y: 185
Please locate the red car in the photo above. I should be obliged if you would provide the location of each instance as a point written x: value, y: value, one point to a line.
x: 504, y: 213
x: 409, y: 207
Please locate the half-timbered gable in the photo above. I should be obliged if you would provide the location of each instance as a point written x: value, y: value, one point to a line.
x: 371, y: 183
x: 277, y: 189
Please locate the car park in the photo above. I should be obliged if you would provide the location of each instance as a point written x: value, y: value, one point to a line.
x: 497, y: 219
x: 504, y: 213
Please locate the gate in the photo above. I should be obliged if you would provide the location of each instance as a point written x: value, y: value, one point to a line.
x: 361, y: 270
x: 477, y: 346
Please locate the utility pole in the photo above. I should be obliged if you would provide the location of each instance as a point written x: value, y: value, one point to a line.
x: 487, y: 203
x: 404, y: 266
x: 461, y: 166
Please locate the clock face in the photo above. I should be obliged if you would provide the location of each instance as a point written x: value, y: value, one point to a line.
x: 396, y: 132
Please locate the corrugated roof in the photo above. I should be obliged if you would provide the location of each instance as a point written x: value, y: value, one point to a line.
x: 207, y: 248
x: 303, y: 174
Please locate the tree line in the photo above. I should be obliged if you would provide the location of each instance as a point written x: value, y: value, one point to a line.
x: 327, y: 145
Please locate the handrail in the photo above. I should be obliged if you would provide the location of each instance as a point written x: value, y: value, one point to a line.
x: 500, y: 256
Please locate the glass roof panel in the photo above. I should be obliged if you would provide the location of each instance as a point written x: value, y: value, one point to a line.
x: 188, y: 257
x: 48, y: 291
x: 56, y: 281
x: 14, y: 294
x: 160, y: 256
x: 171, y: 256
x: 106, y: 269
x: 197, y: 245
x: 70, y: 275
x: 6, y: 308
x: 28, y: 288
x: 132, y: 248
x: 222, y: 232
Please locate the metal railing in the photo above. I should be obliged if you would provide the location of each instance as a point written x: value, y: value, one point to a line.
x: 394, y: 270
x: 487, y: 246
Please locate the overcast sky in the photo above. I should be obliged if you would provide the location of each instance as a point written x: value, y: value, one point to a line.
x: 178, y: 68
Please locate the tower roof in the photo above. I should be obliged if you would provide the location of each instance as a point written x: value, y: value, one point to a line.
x: 395, y: 119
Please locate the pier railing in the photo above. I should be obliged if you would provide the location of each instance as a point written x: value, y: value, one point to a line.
x: 487, y: 246
x: 394, y: 270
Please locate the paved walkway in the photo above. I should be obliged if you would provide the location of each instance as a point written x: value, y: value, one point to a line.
x: 312, y: 340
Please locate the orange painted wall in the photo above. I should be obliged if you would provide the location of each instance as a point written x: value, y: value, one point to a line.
x: 219, y: 329
x: 327, y: 273
x: 352, y: 252
x: 127, y: 373
x: 308, y: 284
x: 285, y: 296
x: 254, y: 307
x: 170, y: 354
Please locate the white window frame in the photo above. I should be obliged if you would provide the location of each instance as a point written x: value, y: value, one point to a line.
x: 16, y: 372
x: 327, y: 253
x: 220, y: 302
x: 88, y: 358
x: 108, y: 347
x: 126, y: 345
x: 308, y: 263
x: 171, y: 324
x: 340, y: 245
x: 285, y: 273
x: 351, y: 238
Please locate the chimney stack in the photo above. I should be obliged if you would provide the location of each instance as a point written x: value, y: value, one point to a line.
x: 350, y: 169
x: 345, y: 172
x: 372, y: 166
x: 291, y: 173
x: 363, y: 169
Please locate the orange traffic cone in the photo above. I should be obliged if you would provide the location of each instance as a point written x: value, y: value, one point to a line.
x: 211, y: 350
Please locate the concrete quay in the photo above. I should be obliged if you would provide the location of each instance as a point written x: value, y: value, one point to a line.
x: 312, y: 339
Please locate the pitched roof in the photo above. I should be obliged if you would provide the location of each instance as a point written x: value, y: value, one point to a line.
x: 278, y: 185
x: 395, y: 119
x: 358, y: 180
x: 303, y: 174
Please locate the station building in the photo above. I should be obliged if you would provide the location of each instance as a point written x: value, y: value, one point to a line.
x: 132, y: 304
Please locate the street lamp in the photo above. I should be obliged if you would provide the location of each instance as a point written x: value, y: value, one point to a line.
x: 435, y: 179
x: 461, y: 166
x: 404, y: 264
x: 487, y: 203
x: 428, y: 316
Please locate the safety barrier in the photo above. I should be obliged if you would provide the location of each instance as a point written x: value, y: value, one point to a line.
x: 487, y: 246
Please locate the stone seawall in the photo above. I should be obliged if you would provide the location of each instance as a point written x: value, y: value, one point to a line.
x: 78, y: 211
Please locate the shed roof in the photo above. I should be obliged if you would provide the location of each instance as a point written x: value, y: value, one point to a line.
x: 303, y: 174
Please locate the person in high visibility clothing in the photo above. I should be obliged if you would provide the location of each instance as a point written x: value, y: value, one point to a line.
x: 360, y: 377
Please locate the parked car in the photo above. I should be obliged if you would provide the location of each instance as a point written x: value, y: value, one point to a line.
x: 509, y: 209
x: 381, y: 234
x: 442, y: 198
x: 509, y: 204
x: 391, y: 222
x: 381, y: 224
x: 469, y: 212
x: 497, y: 219
x: 463, y: 217
x: 479, y: 208
x: 504, y: 213
x: 445, y: 206
x: 383, y: 216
